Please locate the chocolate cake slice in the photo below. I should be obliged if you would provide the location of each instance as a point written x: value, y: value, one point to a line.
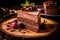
x: 50, y: 7
x: 30, y: 19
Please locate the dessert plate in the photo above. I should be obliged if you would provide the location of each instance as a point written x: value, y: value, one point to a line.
x: 29, y: 34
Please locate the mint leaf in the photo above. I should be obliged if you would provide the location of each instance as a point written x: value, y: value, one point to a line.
x: 23, y: 5
x: 33, y: 3
x: 27, y: 3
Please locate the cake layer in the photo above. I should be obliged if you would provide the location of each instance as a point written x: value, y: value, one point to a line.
x: 29, y: 15
x: 29, y: 24
x: 32, y: 28
x: 24, y: 20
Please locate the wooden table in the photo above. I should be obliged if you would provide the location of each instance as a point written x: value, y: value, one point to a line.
x: 30, y: 34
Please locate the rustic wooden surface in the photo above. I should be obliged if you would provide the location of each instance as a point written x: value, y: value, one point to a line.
x: 29, y: 34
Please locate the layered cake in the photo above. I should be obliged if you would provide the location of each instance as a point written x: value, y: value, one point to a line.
x: 50, y: 7
x: 30, y: 19
x: 29, y: 16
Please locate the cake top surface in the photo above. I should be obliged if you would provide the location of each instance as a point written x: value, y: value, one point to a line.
x: 28, y: 12
x: 33, y: 13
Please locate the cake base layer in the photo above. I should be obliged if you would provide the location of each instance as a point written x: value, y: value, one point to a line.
x: 31, y: 25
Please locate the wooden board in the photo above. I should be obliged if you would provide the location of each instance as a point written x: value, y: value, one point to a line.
x: 29, y: 34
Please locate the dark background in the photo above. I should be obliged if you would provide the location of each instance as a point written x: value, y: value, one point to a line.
x: 17, y: 2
